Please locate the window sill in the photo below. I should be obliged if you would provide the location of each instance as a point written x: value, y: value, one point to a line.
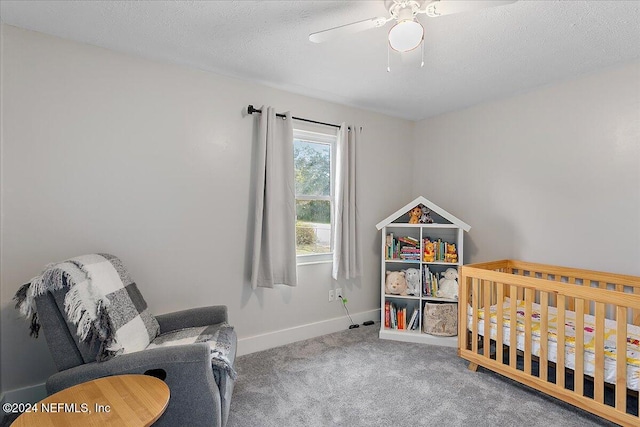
x: 328, y: 261
x: 314, y: 259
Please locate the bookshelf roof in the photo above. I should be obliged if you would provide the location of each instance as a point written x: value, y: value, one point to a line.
x: 432, y: 206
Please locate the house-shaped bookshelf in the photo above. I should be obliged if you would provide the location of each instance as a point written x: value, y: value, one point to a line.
x: 425, y: 311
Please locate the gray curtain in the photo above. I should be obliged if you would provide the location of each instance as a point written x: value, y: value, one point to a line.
x: 274, y: 245
x: 347, y: 251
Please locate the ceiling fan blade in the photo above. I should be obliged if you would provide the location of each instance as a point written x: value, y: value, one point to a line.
x: 355, y: 27
x: 440, y: 8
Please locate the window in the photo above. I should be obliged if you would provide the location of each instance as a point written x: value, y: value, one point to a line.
x: 313, y: 155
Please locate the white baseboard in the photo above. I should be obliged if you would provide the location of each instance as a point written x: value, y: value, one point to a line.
x: 247, y: 345
x: 31, y: 394
x: 298, y: 333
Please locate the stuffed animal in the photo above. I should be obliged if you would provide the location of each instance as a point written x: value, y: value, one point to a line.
x: 451, y: 255
x: 412, y: 275
x: 429, y: 251
x: 448, y: 285
x: 414, y: 215
x: 396, y: 283
x: 425, y: 218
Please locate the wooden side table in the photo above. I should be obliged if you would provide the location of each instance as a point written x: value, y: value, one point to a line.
x: 119, y: 400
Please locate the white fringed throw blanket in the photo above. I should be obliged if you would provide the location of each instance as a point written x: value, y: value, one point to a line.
x: 98, y: 285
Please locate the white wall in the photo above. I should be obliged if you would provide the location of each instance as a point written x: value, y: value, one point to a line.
x: 152, y: 162
x: 550, y: 176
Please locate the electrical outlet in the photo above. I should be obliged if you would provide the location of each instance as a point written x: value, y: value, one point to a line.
x: 339, y: 293
x: 332, y: 295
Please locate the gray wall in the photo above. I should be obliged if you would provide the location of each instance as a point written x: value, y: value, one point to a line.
x: 550, y: 176
x: 153, y: 162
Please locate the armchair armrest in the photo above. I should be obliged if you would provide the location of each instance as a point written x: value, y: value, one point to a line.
x: 191, y: 318
x: 195, y: 397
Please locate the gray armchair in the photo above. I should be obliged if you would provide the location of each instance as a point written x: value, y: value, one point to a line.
x: 200, y: 393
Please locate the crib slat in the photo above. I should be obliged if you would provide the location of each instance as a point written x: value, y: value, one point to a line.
x: 552, y: 297
x: 598, y: 382
x: 544, y: 335
x: 572, y: 305
x: 475, y: 295
x: 560, y: 342
x: 636, y: 315
x: 463, y: 314
x: 621, y: 358
x: 513, y: 325
x: 579, y: 368
x: 487, y: 317
x: 499, y: 321
x: 528, y: 296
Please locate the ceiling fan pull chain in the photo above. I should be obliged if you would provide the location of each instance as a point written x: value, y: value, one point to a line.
x: 388, y: 60
x: 422, y: 62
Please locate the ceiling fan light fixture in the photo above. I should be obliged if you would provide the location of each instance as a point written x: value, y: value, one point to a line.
x: 406, y: 35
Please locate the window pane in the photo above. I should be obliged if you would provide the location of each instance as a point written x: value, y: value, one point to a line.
x: 312, y: 162
x: 313, y: 228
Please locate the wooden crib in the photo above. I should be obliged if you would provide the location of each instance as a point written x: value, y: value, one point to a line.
x: 590, y: 373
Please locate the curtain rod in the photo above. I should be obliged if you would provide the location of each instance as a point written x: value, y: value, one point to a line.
x: 251, y: 109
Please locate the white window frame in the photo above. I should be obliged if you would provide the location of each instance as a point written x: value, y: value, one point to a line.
x: 319, y: 138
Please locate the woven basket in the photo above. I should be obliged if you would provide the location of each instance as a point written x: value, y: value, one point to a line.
x: 440, y: 319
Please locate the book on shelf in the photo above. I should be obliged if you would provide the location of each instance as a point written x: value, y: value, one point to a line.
x: 393, y: 324
x: 409, y: 250
x: 404, y: 318
x: 429, y: 283
x: 402, y: 248
x: 409, y: 240
x: 387, y: 314
x: 389, y: 246
x: 414, y: 320
x: 395, y: 317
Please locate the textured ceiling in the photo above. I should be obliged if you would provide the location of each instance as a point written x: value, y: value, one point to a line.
x: 469, y: 58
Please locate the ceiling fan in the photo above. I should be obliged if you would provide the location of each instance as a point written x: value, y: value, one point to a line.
x: 407, y: 33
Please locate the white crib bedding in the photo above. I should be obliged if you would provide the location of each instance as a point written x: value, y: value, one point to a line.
x: 633, y: 339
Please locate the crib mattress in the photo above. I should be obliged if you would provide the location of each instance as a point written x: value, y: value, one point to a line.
x: 633, y: 339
